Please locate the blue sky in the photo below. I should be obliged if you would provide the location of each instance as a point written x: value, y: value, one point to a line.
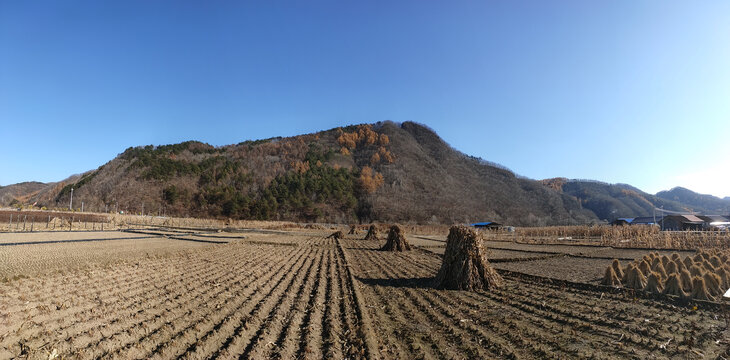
x: 617, y: 91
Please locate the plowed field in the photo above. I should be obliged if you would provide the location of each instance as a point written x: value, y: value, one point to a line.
x: 303, y: 296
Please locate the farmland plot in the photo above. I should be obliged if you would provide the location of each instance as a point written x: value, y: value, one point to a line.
x: 298, y: 296
x: 527, y: 318
x: 258, y: 301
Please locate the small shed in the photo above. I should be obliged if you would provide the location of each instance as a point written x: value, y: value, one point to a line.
x: 682, y: 223
x: 489, y: 225
x: 622, y: 221
x: 644, y: 220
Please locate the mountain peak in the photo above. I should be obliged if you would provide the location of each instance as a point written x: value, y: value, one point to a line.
x: 387, y: 171
x: 708, y: 203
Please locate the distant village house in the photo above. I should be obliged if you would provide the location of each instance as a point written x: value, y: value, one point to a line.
x: 487, y: 225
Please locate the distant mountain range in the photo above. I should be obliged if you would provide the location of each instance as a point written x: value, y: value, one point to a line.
x: 611, y: 201
x: 386, y: 172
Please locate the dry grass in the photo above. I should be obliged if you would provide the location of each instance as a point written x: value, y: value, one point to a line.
x: 649, y: 237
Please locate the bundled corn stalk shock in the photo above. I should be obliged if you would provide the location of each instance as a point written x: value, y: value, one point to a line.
x: 674, y: 287
x: 465, y: 265
x: 336, y: 235
x: 653, y: 284
x: 699, y: 289
x: 372, y: 233
x: 353, y: 230
x: 635, y: 279
x: 616, y: 265
x: 611, y: 278
x: 703, y: 276
x: 396, y: 240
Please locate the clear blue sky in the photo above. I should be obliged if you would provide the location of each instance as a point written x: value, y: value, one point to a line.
x: 618, y: 91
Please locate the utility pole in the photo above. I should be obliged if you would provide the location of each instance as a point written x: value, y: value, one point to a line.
x: 71, y: 203
x: 82, y: 206
x: 662, y: 227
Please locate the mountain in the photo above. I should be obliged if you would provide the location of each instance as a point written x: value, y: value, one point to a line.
x: 611, y: 201
x: 21, y: 192
x: 384, y: 171
x: 710, y: 204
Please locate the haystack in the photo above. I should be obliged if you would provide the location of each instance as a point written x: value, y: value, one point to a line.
x: 645, y: 268
x: 671, y: 268
x: 673, y: 287
x: 715, y: 261
x: 372, y: 233
x: 336, y: 235
x: 723, y: 277
x: 636, y: 279
x: 699, y: 289
x: 708, y: 266
x: 616, y: 265
x: 696, y: 271
x: 353, y: 230
x: 685, y: 278
x: 712, y: 282
x: 653, y: 284
x: 665, y: 260
x: 688, y: 262
x: 656, y: 261
x: 659, y: 270
x: 676, y: 257
x: 396, y: 240
x: 611, y: 278
x: 625, y: 278
x: 680, y: 266
x: 465, y: 265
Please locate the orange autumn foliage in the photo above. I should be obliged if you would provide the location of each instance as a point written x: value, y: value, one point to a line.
x: 370, y: 180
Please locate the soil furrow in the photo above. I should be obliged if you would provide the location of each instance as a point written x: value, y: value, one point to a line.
x: 207, y: 336
x: 244, y: 322
x: 275, y: 324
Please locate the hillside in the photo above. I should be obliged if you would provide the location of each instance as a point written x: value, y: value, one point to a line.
x: 21, y: 192
x: 385, y: 172
x: 612, y: 201
x: 710, y: 204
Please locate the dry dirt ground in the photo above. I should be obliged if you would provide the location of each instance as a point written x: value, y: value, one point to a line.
x: 271, y: 294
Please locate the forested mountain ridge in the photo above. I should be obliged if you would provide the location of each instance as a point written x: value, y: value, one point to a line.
x: 390, y: 172
x: 612, y: 201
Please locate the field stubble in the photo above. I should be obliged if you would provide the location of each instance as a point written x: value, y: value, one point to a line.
x: 299, y: 296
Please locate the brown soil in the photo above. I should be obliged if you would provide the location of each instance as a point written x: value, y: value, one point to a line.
x: 295, y: 296
x: 561, y: 267
x: 523, y: 319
